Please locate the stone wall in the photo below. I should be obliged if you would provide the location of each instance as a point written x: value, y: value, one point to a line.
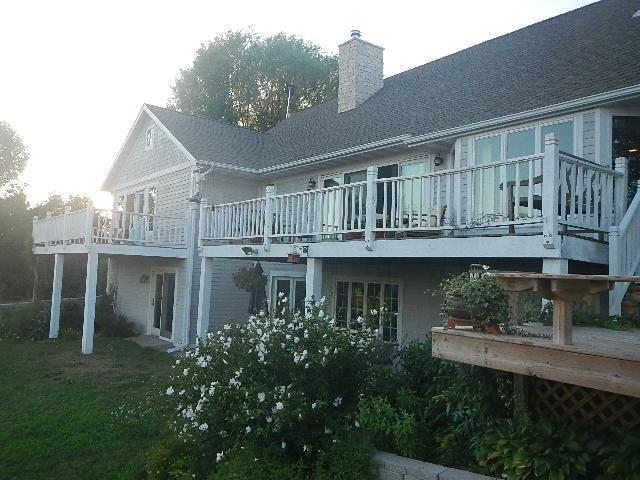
x: 395, y: 467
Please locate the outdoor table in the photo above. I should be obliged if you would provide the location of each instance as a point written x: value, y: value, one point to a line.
x: 562, y: 290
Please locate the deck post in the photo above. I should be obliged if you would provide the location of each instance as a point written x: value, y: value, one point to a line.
x: 204, y: 205
x: 90, y: 303
x: 56, y: 295
x: 204, y: 296
x: 370, y: 208
x: 88, y: 236
x: 313, y: 279
x: 270, y: 192
x: 616, y: 293
x: 621, y: 186
x: 550, y: 172
x: 562, y: 322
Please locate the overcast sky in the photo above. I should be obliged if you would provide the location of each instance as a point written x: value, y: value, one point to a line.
x: 74, y: 74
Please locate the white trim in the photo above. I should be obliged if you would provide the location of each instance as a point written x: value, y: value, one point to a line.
x: 152, y: 176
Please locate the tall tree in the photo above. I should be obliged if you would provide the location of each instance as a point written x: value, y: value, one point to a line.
x: 13, y: 155
x: 15, y: 219
x: 241, y: 78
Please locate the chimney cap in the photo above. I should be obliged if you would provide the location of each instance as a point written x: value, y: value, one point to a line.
x: 355, y: 33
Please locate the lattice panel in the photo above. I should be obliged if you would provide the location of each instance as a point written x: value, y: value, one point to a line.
x: 595, y: 407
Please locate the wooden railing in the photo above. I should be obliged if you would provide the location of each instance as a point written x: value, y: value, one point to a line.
x: 553, y: 190
x: 99, y: 226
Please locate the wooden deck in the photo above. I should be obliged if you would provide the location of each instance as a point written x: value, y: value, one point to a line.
x: 598, y: 358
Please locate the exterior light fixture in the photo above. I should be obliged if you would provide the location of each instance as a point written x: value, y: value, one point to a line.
x: 294, y: 258
x: 311, y: 184
x: 248, y: 251
x: 633, y: 150
x: 438, y: 160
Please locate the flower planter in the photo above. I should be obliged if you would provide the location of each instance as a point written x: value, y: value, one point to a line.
x: 460, y: 316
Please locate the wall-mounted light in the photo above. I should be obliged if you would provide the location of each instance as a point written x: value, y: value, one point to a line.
x: 144, y: 278
x: 294, y: 258
x: 248, y: 251
x: 311, y: 184
x: 438, y: 160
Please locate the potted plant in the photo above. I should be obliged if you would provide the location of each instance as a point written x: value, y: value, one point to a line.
x: 477, y: 301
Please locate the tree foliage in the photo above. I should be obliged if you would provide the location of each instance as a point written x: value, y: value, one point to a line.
x: 13, y: 155
x: 240, y: 78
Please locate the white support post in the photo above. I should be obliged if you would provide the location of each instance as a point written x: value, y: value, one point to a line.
x: 270, y: 192
x: 621, y: 186
x: 204, y: 207
x: 204, y: 296
x: 67, y: 211
x: 88, y: 236
x: 370, y: 207
x: 550, y: 172
x: 90, y: 303
x: 617, y: 292
x: 56, y: 295
x: 313, y: 280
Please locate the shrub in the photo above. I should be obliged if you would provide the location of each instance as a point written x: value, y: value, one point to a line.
x: 107, y: 322
x: 292, y: 381
x: 24, y: 322
x: 528, y: 450
x: 621, y: 460
x: 71, y: 316
x: 254, y: 463
x: 485, y: 300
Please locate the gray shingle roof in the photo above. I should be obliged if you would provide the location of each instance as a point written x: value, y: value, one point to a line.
x: 591, y: 50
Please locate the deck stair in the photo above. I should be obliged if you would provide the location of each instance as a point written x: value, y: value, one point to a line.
x: 624, y: 252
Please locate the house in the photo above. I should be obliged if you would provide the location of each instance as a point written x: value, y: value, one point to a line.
x: 502, y: 153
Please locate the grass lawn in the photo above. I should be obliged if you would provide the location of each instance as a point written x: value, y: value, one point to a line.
x: 56, y: 404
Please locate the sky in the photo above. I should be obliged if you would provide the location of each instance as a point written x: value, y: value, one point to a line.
x: 74, y: 74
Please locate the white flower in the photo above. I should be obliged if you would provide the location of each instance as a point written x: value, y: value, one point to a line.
x: 284, y: 444
x: 185, y: 372
x: 305, y: 448
x: 314, y: 405
x: 170, y: 391
x: 280, y: 294
x: 337, y: 402
x: 203, y: 427
x: 269, y: 419
x: 327, y: 430
x: 219, y: 456
x: 374, y: 312
x: 279, y: 406
x: 248, y: 429
x: 178, y: 362
x: 261, y: 397
x: 357, y: 424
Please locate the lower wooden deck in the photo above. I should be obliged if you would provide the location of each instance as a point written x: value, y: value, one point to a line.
x: 598, y: 358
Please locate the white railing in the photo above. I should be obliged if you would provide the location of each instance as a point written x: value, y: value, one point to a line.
x: 624, y: 251
x: 238, y: 220
x: 586, y: 196
x: 327, y: 211
x: 99, y: 226
x: 551, y: 191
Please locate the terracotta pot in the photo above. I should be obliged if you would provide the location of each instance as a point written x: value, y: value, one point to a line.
x: 457, y: 308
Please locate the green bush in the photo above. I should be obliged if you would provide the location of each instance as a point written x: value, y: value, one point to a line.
x: 293, y: 381
x: 621, y: 459
x: 485, y: 299
x: 24, y: 322
x: 254, y: 463
x: 536, y: 450
x: 108, y: 324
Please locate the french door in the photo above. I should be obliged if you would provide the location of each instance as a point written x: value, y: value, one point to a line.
x: 163, y: 287
x: 293, y: 288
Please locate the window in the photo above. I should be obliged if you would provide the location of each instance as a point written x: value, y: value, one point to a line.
x: 488, y: 150
x: 361, y: 299
x: 293, y: 288
x: 148, y: 139
x: 564, y: 133
x: 521, y: 143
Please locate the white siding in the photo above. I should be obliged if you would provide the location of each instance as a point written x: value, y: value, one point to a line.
x: 133, y: 297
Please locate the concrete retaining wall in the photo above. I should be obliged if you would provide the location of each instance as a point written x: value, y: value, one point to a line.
x: 395, y: 467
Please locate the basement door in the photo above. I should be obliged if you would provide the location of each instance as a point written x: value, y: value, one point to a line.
x: 163, y: 288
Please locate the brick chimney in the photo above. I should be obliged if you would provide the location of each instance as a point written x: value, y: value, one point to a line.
x: 359, y: 71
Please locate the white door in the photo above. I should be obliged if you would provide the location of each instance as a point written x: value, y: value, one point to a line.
x: 162, y: 312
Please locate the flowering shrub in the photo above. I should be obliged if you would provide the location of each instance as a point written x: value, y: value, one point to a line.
x: 293, y: 382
